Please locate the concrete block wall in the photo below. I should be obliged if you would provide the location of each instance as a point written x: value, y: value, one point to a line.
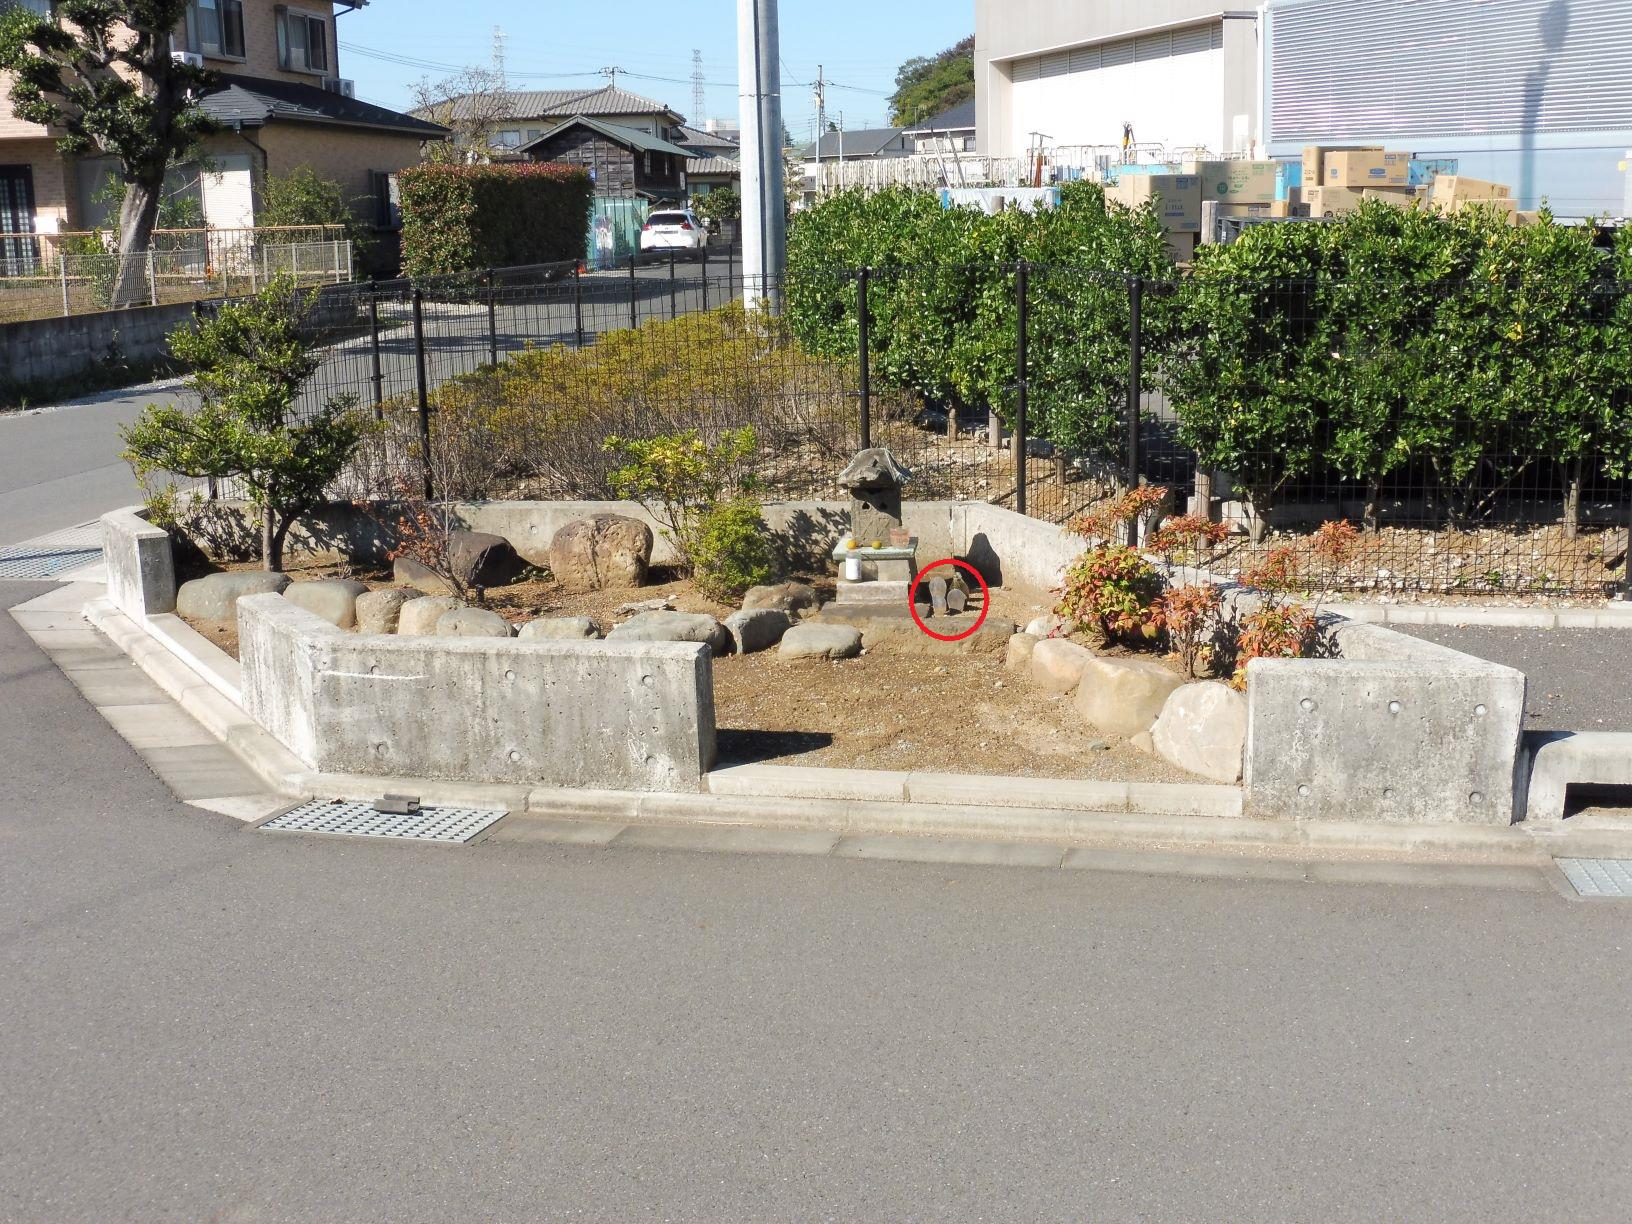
x: 67, y: 348
x: 635, y: 716
x: 140, y: 564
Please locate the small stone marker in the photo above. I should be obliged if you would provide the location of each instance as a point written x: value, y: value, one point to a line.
x: 956, y: 601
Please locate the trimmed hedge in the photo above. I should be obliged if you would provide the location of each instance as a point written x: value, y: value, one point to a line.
x: 462, y: 219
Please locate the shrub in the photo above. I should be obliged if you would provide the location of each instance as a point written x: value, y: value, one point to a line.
x: 302, y: 197
x: 688, y: 478
x: 1190, y: 618
x: 732, y: 549
x: 1115, y: 590
x: 458, y: 219
x: 722, y: 204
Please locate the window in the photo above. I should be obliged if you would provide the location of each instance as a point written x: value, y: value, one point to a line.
x: 303, y: 42
x: 509, y: 138
x: 648, y: 162
x: 216, y: 28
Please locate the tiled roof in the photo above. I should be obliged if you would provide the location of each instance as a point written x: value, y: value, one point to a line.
x: 864, y: 142
x: 713, y: 165
x: 697, y: 138
x: 632, y: 137
x: 959, y: 118
x: 252, y: 101
x: 555, y: 103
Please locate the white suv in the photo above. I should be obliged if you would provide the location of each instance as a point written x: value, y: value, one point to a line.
x: 673, y: 229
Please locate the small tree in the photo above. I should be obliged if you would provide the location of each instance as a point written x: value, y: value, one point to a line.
x: 472, y: 105
x: 102, y: 74
x: 303, y: 197
x: 722, y: 204
x: 250, y: 364
x: 688, y: 479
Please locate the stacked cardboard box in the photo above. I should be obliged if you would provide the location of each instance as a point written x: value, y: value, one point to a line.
x: 1362, y: 168
x: 1177, y: 198
x: 1453, y: 191
x: 1331, y: 201
x: 1236, y: 182
x: 1314, y: 160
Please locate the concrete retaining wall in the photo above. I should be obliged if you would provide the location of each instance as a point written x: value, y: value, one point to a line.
x: 62, y: 349
x: 140, y: 564
x: 633, y: 716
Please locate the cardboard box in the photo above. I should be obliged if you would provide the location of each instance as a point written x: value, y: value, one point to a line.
x: 1331, y: 201
x: 1314, y: 160
x: 1509, y: 208
x: 1451, y: 190
x: 1289, y: 208
x: 1181, y: 248
x: 1367, y: 168
x: 1235, y: 182
x: 1177, y: 197
x: 1401, y: 197
x: 1245, y: 210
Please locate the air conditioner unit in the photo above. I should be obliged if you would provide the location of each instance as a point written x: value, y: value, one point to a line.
x: 191, y: 58
x: 341, y: 86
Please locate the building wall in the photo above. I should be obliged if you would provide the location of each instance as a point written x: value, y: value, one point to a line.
x: 261, y: 41
x: 53, y: 181
x: 1010, y: 30
x: 617, y: 170
x: 349, y: 156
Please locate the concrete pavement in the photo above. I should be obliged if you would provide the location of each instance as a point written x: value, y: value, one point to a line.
x: 203, y: 1021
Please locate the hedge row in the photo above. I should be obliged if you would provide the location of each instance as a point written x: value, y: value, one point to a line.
x: 1460, y: 348
x: 461, y: 219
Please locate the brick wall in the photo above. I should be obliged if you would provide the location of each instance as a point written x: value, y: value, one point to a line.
x: 54, y: 207
x: 347, y: 156
x: 261, y: 41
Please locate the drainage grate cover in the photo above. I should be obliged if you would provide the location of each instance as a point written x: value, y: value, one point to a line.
x: 1599, y: 877
x: 49, y: 555
x: 348, y: 819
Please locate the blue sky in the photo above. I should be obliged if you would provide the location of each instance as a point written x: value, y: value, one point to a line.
x: 561, y: 44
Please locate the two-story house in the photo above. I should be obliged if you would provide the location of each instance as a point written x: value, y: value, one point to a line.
x: 280, y: 104
x: 531, y: 113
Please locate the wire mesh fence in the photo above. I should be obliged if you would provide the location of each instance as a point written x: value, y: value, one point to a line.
x: 1479, y: 436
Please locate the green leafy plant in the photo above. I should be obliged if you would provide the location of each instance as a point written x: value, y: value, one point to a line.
x: 1114, y: 590
x: 1191, y: 617
x: 721, y: 205
x: 459, y: 219
x: 303, y: 197
x: 687, y: 477
x: 732, y: 549
x: 250, y: 362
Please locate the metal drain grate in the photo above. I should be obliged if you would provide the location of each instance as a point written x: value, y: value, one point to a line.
x: 49, y: 555
x: 349, y: 819
x: 1599, y: 877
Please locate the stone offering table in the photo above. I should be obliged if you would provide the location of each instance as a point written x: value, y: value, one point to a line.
x: 884, y: 574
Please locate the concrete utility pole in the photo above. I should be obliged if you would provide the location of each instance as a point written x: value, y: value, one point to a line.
x: 821, y: 122
x: 759, y: 105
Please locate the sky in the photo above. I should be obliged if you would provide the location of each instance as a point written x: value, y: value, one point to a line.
x: 563, y: 44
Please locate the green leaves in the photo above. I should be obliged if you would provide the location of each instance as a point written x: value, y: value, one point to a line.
x: 458, y: 219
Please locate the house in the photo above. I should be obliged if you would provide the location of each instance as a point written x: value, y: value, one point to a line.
x: 951, y: 131
x: 532, y: 113
x: 715, y: 161
x: 622, y: 161
x: 863, y: 144
x: 280, y: 103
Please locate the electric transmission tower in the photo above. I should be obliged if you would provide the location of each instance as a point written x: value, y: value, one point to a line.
x: 699, y: 95
x: 499, y: 40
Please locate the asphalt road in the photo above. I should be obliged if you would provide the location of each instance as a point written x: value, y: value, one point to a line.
x: 198, y: 1021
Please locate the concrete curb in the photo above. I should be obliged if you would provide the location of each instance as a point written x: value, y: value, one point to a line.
x: 1494, y: 616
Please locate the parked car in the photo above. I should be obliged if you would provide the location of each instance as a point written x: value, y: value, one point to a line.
x: 677, y: 229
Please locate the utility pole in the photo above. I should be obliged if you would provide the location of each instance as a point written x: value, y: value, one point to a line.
x: 759, y: 104
x: 611, y: 74
x: 821, y: 122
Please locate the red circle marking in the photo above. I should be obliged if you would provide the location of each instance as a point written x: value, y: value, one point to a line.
x: 985, y: 600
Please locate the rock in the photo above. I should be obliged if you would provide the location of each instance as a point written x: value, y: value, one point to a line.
x: 1143, y: 742
x: 405, y: 571
x: 900, y: 635
x: 607, y: 550
x: 419, y: 616
x: 1057, y: 664
x: 932, y: 419
x: 645, y: 605
x: 1020, y: 648
x: 1050, y: 624
x: 794, y: 598
x: 674, y: 627
x: 1124, y: 696
x: 215, y: 597
x: 482, y: 559
x: 473, y: 622
x: 1203, y: 728
x: 378, y: 611
x: 559, y: 629
x: 815, y: 641
x: 757, y: 628
x: 334, y: 599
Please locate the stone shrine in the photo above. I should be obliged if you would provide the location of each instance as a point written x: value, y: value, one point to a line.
x: 877, y: 558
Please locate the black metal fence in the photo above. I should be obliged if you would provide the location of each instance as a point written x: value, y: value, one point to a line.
x: 1046, y: 389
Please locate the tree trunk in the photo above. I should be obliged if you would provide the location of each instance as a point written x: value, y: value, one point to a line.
x: 994, y: 429
x: 1572, y: 500
x: 271, y: 542
x: 138, y: 215
x: 1204, y: 494
x: 1374, y: 495
x: 1257, y: 518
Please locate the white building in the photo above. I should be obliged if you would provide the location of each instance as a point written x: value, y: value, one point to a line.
x: 1533, y: 93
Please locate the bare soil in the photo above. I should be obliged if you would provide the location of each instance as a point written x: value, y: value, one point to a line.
x: 944, y: 713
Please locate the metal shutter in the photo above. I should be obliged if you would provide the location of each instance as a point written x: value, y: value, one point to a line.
x: 1189, y: 42
x: 1027, y: 69
x: 1426, y: 69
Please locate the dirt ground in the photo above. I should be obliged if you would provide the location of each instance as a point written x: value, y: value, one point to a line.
x: 948, y: 713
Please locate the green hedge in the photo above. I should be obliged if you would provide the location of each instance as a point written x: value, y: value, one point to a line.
x: 944, y: 307
x: 461, y: 219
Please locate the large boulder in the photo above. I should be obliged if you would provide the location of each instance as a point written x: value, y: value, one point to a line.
x: 473, y: 622
x: 419, y: 616
x: 214, y: 597
x: 794, y: 598
x: 820, y: 641
x: 1019, y: 651
x: 1057, y: 664
x: 674, y: 627
x: 481, y: 559
x: 334, y: 599
x: 607, y: 550
x: 1049, y: 624
x: 757, y: 629
x: 559, y: 629
x: 1203, y: 728
x: 900, y: 634
x: 1124, y: 696
x: 379, y: 611
x: 405, y: 571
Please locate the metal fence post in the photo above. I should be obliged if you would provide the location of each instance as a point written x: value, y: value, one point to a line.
x: 1021, y: 279
x: 864, y: 346
x: 377, y: 377
x: 62, y: 261
x: 492, y: 322
x: 674, y: 309
x: 294, y: 261
x: 634, y: 319
x: 423, y: 388
x: 578, y: 302
x: 1136, y: 372
x: 705, y: 276
x: 152, y: 277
